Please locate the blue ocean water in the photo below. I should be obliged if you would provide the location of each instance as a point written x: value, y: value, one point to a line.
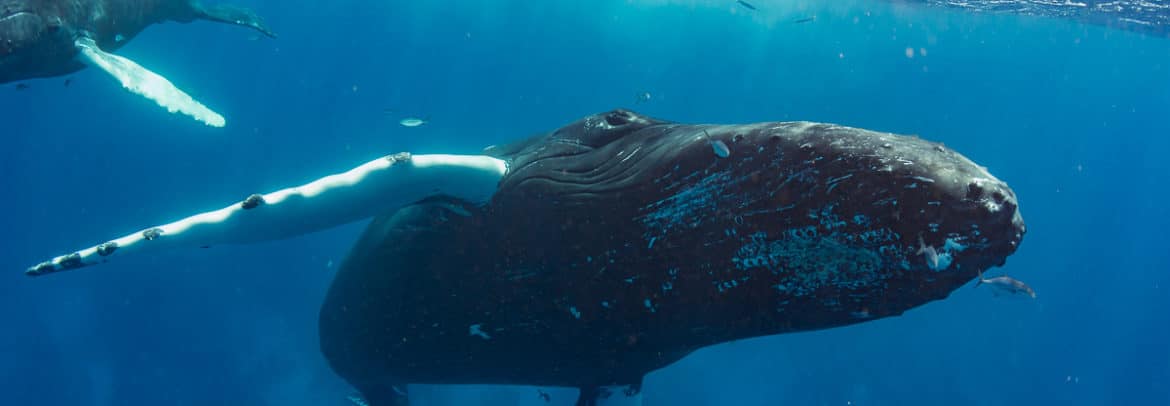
x: 1074, y: 117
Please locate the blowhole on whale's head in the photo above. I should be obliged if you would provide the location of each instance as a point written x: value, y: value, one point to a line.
x: 600, y: 129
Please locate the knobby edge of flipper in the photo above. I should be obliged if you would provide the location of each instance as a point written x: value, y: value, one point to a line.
x: 365, y: 191
x: 143, y: 82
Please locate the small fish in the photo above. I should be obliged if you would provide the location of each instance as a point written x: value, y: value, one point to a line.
x: 475, y: 331
x: 747, y: 5
x: 21, y: 86
x: 805, y: 20
x: 721, y: 150
x: 412, y: 122
x: 544, y: 396
x: 643, y: 97
x: 1006, y: 284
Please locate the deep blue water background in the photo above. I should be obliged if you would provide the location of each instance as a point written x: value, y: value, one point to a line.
x: 1076, y: 118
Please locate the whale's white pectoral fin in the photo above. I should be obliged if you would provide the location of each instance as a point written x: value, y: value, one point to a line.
x: 146, y: 83
x: 362, y: 192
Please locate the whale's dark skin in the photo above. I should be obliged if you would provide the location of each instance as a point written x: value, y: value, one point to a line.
x: 37, y: 36
x: 619, y: 244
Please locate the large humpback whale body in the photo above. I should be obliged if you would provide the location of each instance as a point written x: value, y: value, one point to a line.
x: 618, y: 244
x: 47, y: 38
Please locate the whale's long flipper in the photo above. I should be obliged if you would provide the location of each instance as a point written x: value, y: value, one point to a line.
x: 225, y: 13
x: 146, y: 83
x: 359, y: 193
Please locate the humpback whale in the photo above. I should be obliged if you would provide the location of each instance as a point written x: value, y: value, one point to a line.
x: 616, y: 245
x: 47, y: 38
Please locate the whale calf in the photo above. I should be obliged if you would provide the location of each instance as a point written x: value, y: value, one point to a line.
x: 616, y: 245
x: 48, y: 38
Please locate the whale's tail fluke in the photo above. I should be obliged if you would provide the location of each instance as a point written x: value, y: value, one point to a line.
x: 142, y: 81
x: 229, y: 14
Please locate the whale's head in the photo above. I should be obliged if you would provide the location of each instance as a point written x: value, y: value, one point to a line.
x: 33, y: 43
x: 843, y: 224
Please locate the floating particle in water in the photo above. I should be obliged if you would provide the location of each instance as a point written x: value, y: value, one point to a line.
x: 643, y: 97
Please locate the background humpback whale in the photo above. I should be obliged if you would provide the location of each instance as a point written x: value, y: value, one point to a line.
x: 43, y: 39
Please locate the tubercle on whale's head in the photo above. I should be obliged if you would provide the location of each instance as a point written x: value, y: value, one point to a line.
x: 948, y: 217
x: 30, y: 40
x: 921, y: 218
x: 19, y: 29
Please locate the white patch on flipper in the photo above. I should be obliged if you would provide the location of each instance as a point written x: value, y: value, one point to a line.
x: 148, y: 84
x: 362, y: 192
